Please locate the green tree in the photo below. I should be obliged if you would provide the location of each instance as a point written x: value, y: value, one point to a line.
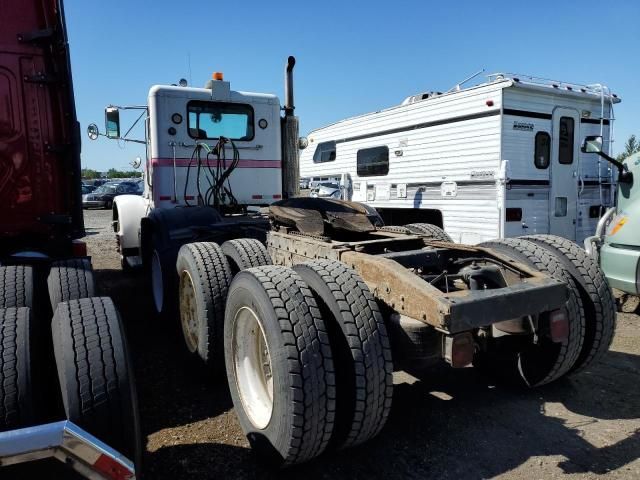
x: 113, y: 173
x: 90, y: 174
x: 631, y: 146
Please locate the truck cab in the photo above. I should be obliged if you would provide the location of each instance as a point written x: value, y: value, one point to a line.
x: 616, y: 243
x: 180, y: 118
x: 219, y: 152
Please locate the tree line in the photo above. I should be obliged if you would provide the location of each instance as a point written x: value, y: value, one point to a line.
x: 631, y: 146
x: 91, y: 174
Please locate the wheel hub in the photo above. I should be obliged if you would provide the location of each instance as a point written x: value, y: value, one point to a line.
x: 252, y: 367
x: 188, y: 311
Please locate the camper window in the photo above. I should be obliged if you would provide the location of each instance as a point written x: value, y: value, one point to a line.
x: 542, y: 150
x: 373, y: 161
x: 207, y: 120
x: 325, y: 152
x: 565, y: 145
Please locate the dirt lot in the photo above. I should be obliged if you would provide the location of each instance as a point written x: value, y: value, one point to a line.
x: 451, y: 424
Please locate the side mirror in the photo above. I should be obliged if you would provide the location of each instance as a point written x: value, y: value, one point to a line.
x: 112, y: 122
x: 592, y: 144
x: 93, y: 131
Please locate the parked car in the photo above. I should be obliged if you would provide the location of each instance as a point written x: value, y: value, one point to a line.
x: 96, y: 182
x: 102, y: 197
x: 87, y: 189
x: 304, y: 183
x: 324, y: 190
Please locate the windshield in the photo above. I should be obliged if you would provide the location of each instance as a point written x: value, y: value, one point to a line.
x: 105, y: 189
x: 329, y: 185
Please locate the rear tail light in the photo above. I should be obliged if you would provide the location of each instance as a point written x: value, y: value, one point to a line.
x: 111, y: 468
x: 459, y: 349
x: 558, y: 326
x: 78, y: 248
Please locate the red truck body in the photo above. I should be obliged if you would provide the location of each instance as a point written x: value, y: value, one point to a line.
x: 40, y: 173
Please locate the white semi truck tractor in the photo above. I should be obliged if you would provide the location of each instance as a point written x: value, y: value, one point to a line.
x: 310, y: 303
x: 214, y: 157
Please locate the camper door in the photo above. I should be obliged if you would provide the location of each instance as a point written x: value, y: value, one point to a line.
x: 563, y: 195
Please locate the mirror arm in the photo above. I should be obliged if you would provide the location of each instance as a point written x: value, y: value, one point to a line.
x: 624, y: 174
x: 130, y: 140
x: 621, y: 166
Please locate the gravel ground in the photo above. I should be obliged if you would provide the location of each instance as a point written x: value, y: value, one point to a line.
x: 450, y: 424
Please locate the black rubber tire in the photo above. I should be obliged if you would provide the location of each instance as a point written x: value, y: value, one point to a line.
x: 16, y: 286
x: 304, y: 401
x: 207, y: 267
x: 16, y: 393
x: 95, y: 373
x: 243, y: 253
x: 70, y: 279
x: 430, y: 231
x: 597, y: 297
x: 395, y: 229
x: 416, y: 344
x: 360, y: 346
x: 546, y: 362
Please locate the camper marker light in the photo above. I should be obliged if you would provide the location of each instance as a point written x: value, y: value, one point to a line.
x: 217, y: 76
x: 489, y: 103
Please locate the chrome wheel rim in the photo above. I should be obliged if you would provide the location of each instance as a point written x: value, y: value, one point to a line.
x: 252, y: 367
x: 188, y: 311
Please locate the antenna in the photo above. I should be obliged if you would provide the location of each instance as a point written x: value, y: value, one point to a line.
x: 456, y: 87
x: 189, y: 61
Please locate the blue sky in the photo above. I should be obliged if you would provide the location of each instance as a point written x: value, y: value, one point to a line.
x: 353, y: 57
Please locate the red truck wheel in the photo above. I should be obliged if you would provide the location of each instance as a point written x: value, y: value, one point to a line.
x: 70, y: 279
x: 95, y: 373
x: 16, y: 394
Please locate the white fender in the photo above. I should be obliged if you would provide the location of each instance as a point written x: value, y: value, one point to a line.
x: 128, y: 211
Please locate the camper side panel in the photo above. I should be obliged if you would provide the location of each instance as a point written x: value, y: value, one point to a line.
x: 528, y: 112
x: 443, y: 155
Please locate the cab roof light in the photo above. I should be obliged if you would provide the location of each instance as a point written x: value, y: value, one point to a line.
x: 217, y: 76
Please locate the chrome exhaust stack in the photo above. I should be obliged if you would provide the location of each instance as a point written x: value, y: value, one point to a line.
x: 290, y: 135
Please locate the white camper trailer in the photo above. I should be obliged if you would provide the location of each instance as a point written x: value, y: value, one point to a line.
x: 500, y: 159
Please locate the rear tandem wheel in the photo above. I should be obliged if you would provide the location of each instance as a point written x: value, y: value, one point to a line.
x: 543, y: 362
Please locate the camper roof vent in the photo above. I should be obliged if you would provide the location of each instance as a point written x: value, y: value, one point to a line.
x: 420, y: 97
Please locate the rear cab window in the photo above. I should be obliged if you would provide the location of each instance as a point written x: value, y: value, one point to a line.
x: 212, y: 120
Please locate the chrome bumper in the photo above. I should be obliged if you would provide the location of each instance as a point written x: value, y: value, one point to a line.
x: 69, y: 444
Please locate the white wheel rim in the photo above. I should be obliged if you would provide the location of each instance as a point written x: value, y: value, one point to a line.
x: 156, y: 281
x: 188, y: 311
x: 252, y: 367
